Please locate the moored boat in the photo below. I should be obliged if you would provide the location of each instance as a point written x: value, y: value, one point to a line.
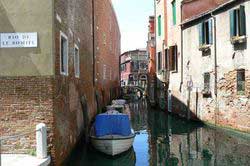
x: 111, y: 133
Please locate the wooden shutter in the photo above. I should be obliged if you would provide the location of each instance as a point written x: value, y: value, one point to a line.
x: 210, y: 31
x: 232, y: 23
x: 166, y: 59
x: 242, y: 21
x: 171, y: 58
x: 175, y: 58
x: 174, y: 11
x: 159, y: 25
x: 201, y: 37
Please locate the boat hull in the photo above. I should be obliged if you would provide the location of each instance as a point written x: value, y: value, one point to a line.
x: 113, y: 146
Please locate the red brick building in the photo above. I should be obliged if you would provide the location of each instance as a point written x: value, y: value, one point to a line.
x: 134, y: 68
x: 54, y: 81
x: 107, y: 51
x: 152, y: 61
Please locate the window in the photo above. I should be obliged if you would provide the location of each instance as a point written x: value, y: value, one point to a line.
x: 207, y: 82
x: 159, y: 25
x: 206, y: 89
x: 166, y: 58
x: 76, y: 61
x: 63, y: 54
x: 241, y: 81
x: 205, y: 33
x: 173, y: 59
x: 159, y: 61
x: 238, y: 22
x: 174, y: 11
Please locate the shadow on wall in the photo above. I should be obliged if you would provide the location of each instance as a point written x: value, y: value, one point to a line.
x: 183, y: 109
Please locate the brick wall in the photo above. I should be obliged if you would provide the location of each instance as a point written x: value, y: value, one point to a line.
x: 107, y: 51
x: 25, y: 102
x: 72, y: 119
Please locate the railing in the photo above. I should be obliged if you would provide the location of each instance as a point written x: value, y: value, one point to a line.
x: 41, y: 140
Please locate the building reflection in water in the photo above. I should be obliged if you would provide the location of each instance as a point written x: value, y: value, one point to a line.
x: 173, y: 141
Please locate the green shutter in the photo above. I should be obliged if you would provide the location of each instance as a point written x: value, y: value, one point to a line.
x: 210, y: 31
x: 201, y: 37
x: 232, y: 23
x: 174, y: 12
x: 242, y: 21
x: 159, y: 25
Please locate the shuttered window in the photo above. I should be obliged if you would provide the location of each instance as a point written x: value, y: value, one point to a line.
x: 173, y: 59
x: 174, y: 11
x: 159, y: 60
x: 166, y: 58
x: 238, y: 22
x: 159, y: 25
x: 206, y: 32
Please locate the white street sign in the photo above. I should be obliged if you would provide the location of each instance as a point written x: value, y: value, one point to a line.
x: 18, y: 40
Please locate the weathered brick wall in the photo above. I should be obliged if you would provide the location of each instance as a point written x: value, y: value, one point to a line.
x: 228, y: 108
x: 71, y: 118
x: 107, y: 51
x: 24, y: 103
x: 233, y: 108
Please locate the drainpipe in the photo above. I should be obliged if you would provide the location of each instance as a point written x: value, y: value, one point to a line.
x: 215, y: 69
x: 181, y: 54
x: 93, y: 31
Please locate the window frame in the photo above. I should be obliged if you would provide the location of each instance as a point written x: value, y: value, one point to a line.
x: 77, y: 75
x: 207, y: 85
x: 63, y: 35
x: 173, y: 58
x: 206, y: 33
x: 238, y: 22
x: 242, y: 82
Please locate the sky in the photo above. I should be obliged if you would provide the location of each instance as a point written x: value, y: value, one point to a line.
x: 133, y: 21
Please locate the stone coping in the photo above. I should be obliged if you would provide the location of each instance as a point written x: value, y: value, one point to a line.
x: 23, y: 159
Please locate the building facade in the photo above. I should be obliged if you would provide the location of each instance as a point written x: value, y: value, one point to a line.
x: 203, y: 50
x: 107, y: 52
x: 134, y: 66
x: 47, y: 66
x: 151, y: 91
x: 215, y: 64
x: 161, y: 28
x: 168, y: 50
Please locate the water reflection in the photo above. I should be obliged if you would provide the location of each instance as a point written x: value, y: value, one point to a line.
x: 167, y: 140
x: 173, y: 141
x: 87, y: 155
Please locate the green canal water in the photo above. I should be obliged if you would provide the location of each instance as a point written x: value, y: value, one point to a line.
x: 166, y: 140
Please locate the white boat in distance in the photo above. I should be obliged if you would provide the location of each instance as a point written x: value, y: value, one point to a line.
x: 112, y: 144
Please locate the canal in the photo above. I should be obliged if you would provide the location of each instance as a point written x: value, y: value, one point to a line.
x: 164, y: 139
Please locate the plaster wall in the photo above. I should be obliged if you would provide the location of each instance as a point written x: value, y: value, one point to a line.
x: 27, y: 16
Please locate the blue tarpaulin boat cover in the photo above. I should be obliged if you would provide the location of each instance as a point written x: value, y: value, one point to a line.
x: 106, y: 124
